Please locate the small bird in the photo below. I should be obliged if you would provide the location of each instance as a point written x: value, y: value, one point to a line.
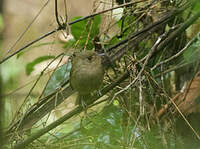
x: 86, y: 75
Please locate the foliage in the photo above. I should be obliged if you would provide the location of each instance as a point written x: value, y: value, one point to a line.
x: 8, y: 73
x: 30, y: 66
x: 132, y: 120
x: 196, y: 6
x: 104, y: 131
x: 192, y: 54
x: 59, y: 76
x: 84, y: 32
x: 1, y: 23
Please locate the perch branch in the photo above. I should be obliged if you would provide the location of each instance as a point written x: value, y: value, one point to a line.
x: 67, y: 116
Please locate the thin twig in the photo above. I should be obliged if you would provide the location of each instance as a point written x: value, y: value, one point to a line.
x: 56, y: 14
x: 28, y: 45
x: 177, y: 54
x: 66, y: 17
x: 26, y: 29
x: 183, y: 27
x: 142, y: 69
x: 25, y: 100
x: 66, y: 116
x: 140, y: 96
x: 166, y: 106
x: 177, y: 108
x: 61, y: 28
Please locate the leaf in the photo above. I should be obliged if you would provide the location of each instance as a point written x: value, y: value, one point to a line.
x: 1, y: 23
x: 103, y: 128
x: 192, y: 54
x: 117, y: 13
x: 126, y: 25
x: 82, y: 29
x: 59, y: 76
x: 116, y: 103
x: 30, y: 66
x: 196, y: 6
x: 113, y: 41
x: 119, y: 23
x: 78, y: 28
x: 95, y: 25
x: 197, y: 100
x: 69, y: 44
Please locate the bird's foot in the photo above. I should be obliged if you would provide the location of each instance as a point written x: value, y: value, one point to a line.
x: 99, y: 93
x: 83, y: 104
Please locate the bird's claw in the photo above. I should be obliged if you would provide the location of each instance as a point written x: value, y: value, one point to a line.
x: 99, y: 93
x: 83, y: 104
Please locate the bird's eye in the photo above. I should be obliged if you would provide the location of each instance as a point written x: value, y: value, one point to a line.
x: 90, y: 58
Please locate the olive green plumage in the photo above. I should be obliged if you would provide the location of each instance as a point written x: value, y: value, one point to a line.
x: 86, y: 74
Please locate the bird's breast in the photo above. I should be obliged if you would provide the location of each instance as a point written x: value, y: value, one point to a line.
x: 86, y: 79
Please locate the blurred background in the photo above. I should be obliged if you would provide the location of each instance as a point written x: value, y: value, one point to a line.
x: 16, y: 16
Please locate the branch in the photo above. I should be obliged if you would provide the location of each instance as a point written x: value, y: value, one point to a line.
x: 48, y: 103
x: 67, y: 116
x: 63, y: 28
x: 41, y: 108
x: 182, y: 28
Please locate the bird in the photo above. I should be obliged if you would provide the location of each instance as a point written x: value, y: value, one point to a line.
x: 86, y: 75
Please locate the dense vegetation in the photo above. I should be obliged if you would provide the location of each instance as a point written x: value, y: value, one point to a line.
x: 151, y: 49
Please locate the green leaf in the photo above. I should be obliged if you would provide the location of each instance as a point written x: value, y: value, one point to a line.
x: 69, y: 44
x: 104, y: 129
x: 78, y: 28
x: 197, y: 100
x: 126, y: 25
x: 192, y: 54
x: 113, y: 41
x: 196, y: 6
x: 30, y: 66
x: 1, y: 22
x: 95, y: 26
x: 116, y: 103
x: 119, y: 23
x: 59, y: 76
x: 82, y: 29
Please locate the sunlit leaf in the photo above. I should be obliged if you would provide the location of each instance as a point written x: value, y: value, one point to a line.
x: 196, y: 6
x: 84, y: 31
x: 116, y: 102
x: 59, y: 76
x: 192, y: 54
x: 1, y: 22
x: 77, y: 29
x: 104, y: 129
